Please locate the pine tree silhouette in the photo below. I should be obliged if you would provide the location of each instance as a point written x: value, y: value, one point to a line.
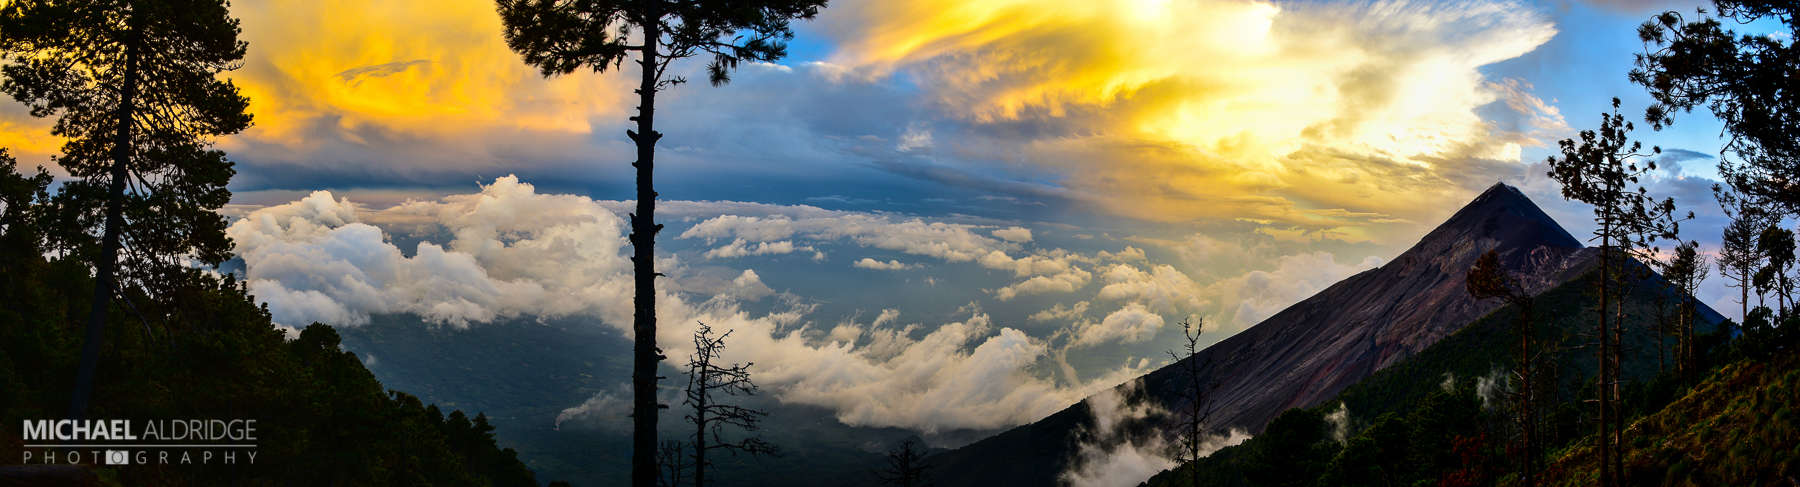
x: 135, y: 86
x: 905, y: 466
x: 1747, y: 82
x: 1488, y: 280
x: 1600, y: 171
x: 559, y: 37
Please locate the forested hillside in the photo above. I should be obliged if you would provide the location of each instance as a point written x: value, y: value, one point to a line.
x: 322, y: 418
x: 1739, y: 427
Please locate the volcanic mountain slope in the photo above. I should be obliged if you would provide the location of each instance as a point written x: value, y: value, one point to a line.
x: 1314, y: 349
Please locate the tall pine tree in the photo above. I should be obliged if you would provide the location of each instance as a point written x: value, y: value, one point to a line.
x: 1747, y: 81
x: 561, y: 36
x: 1601, y: 170
x: 1686, y: 270
x: 1776, y: 245
x: 1738, y: 258
x: 1489, y: 280
x: 135, y: 89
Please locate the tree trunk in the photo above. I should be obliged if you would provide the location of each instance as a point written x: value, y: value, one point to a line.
x: 645, y: 354
x: 1662, y: 334
x: 1690, y: 358
x: 1618, y: 366
x: 1681, y: 338
x: 1527, y: 416
x: 106, y: 267
x: 1781, y: 293
x: 1605, y: 436
x: 700, y: 430
x: 1193, y: 445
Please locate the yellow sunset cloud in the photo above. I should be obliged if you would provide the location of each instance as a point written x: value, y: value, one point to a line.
x: 1317, y: 118
x: 369, y: 73
x: 1177, y: 109
x: 418, y: 68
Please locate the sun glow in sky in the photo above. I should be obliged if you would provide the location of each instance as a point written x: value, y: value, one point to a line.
x: 1220, y: 109
x: 981, y: 210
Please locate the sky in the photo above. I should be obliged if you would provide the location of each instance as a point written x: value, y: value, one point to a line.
x: 934, y: 214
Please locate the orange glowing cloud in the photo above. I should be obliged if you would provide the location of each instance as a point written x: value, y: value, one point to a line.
x: 28, y: 139
x: 433, y: 73
x: 407, y: 68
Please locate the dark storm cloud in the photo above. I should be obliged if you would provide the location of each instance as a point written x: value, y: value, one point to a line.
x: 353, y: 76
x: 1672, y: 159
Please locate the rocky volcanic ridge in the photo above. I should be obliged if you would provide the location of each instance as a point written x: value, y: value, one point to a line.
x: 1314, y: 349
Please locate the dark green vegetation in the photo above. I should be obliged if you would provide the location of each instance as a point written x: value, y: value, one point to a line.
x: 207, y: 351
x: 135, y: 90
x: 1739, y: 427
x: 1405, y: 425
x: 560, y: 37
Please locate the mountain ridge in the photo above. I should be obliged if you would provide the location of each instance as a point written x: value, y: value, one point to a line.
x: 1313, y: 349
x: 1379, y: 316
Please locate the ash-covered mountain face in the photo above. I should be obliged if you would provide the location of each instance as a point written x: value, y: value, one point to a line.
x: 1314, y: 349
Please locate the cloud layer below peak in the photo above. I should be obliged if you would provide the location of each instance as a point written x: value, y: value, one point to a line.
x: 511, y: 252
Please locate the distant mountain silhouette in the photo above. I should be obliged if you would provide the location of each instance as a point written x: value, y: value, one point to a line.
x: 1314, y: 349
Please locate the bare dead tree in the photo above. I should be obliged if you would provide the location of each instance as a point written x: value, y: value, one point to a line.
x: 672, y: 460
x: 905, y: 466
x: 1192, y: 420
x: 708, y: 384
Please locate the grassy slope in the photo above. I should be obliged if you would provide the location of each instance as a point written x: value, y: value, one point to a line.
x: 1739, y: 427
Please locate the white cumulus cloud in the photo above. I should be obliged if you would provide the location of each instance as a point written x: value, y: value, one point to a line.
x: 1132, y: 323
x: 889, y: 265
x: 514, y: 252
x: 1013, y: 234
